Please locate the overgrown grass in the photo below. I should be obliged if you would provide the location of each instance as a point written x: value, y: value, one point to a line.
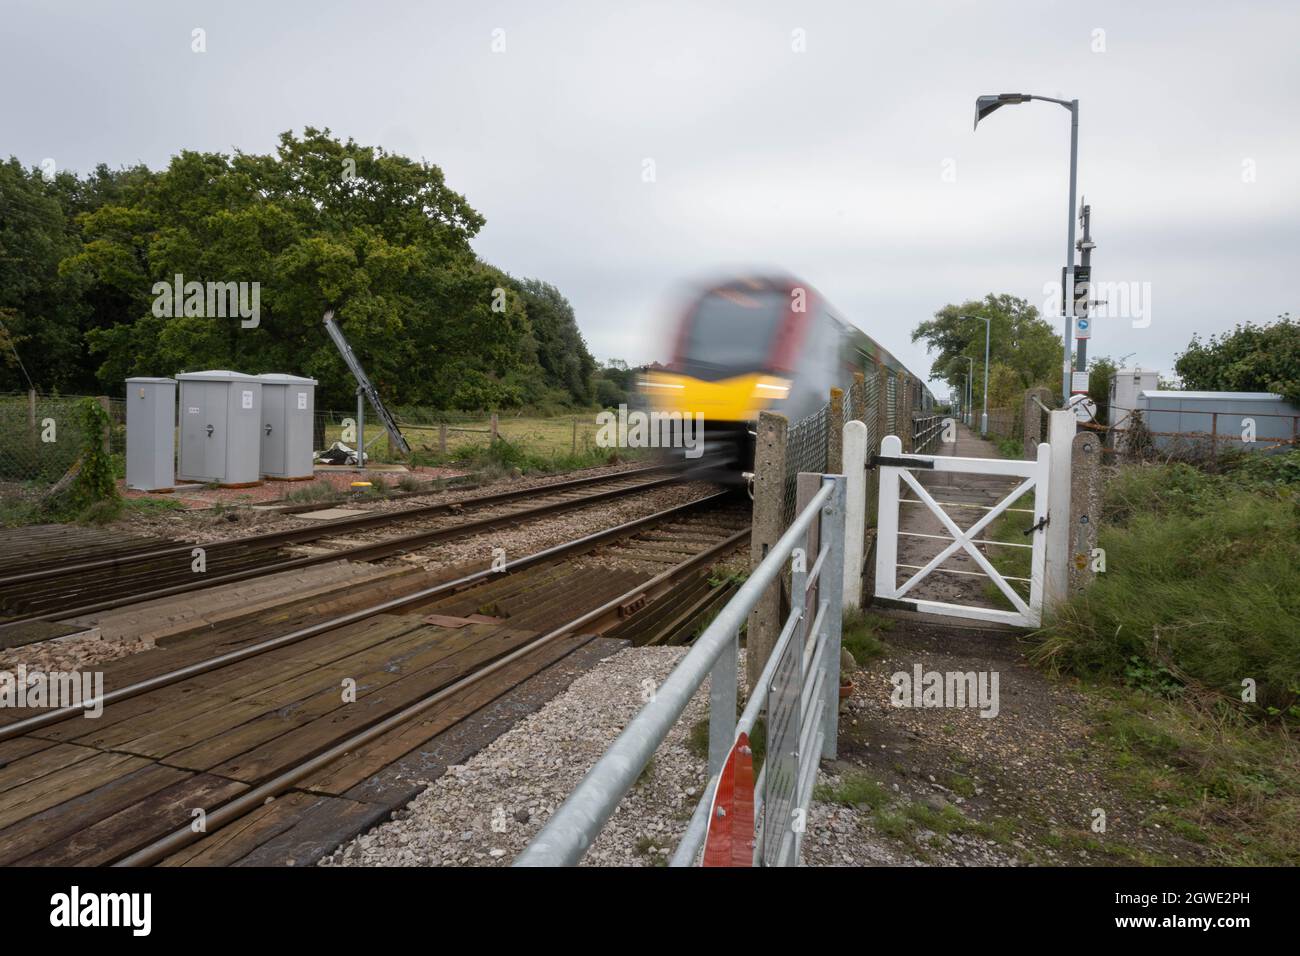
x: 1010, y: 447
x: 853, y: 790
x: 861, y: 635
x: 505, y: 457
x: 1198, y: 606
x: 1221, y: 778
x: 1202, y: 586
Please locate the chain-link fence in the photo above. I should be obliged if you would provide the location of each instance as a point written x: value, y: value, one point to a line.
x: 806, y: 449
x: 43, y: 437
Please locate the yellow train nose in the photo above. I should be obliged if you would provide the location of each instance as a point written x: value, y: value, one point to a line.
x: 736, y: 399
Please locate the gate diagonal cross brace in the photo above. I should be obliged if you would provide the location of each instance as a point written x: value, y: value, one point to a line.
x: 962, y: 539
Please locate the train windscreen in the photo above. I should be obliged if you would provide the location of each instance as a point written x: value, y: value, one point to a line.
x: 731, y: 330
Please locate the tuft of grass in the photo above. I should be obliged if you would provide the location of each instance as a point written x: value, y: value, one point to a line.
x: 854, y: 790
x: 860, y: 635
x: 409, y: 482
x: 316, y: 491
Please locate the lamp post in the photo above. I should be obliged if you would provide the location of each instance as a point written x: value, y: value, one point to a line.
x: 984, y: 105
x: 988, y: 326
x: 970, y: 391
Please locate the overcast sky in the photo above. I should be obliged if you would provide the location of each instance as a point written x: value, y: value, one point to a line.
x: 851, y: 163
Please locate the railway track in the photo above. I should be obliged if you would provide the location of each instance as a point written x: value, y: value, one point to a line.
x: 256, y: 737
x: 126, y: 571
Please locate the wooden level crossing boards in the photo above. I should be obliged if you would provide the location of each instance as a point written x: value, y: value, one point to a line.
x: 99, y: 789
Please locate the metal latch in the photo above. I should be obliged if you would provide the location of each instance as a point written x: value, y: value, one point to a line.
x: 1042, y: 523
x: 901, y: 462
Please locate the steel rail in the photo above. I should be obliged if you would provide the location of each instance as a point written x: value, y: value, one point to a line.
x: 361, y: 552
x: 57, y: 715
x: 324, y: 529
x: 251, y: 800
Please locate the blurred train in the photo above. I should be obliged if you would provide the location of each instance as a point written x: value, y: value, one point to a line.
x: 761, y: 344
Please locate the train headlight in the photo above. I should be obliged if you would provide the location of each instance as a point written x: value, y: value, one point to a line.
x: 771, y: 390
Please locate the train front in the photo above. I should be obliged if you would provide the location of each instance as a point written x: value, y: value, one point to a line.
x: 733, y: 358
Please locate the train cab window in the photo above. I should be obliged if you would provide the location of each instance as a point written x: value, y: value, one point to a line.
x: 732, y: 329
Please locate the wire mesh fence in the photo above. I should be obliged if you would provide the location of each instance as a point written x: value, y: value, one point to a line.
x: 806, y: 449
x: 44, y: 436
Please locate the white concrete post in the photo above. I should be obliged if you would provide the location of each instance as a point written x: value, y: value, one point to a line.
x: 887, y: 523
x: 855, y: 509
x: 1061, y: 430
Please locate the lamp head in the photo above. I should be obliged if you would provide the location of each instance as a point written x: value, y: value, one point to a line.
x: 984, y: 105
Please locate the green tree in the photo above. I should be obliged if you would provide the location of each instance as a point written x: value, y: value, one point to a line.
x: 1020, y: 342
x: 1101, y: 370
x: 561, y: 350
x: 320, y: 223
x: 1250, y: 358
x: 40, y: 309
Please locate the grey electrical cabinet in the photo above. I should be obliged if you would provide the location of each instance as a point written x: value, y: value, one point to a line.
x: 221, y: 427
x: 288, y: 410
x: 150, y: 434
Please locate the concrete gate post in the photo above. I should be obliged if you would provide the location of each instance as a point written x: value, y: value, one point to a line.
x: 835, y: 432
x: 1061, y: 429
x: 1085, y: 508
x: 769, y: 500
x: 855, y: 509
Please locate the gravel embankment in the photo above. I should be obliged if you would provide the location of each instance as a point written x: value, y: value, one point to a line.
x: 482, y: 813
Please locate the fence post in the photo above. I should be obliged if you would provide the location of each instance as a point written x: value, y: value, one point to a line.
x: 442, y: 438
x: 107, y: 406
x: 1061, y: 430
x: 903, y: 413
x: 575, y: 435
x: 855, y: 509
x: 858, y: 398
x: 1085, y: 507
x: 493, y: 439
x: 835, y: 432
x: 31, y: 418
x: 769, y: 503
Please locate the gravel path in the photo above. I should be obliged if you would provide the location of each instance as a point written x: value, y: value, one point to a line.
x: 485, y: 811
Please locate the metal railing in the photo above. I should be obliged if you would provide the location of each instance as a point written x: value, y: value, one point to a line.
x: 798, y: 693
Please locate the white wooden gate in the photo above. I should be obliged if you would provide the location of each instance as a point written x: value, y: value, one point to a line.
x: 896, y: 470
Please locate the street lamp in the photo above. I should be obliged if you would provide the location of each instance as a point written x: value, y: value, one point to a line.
x: 984, y: 418
x: 984, y: 105
x: 970, y: 391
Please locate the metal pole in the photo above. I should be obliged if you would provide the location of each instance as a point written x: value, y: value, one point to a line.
x: 984, y: 418
x: 1067, y: 294
x: 361, y: 429
x: 1085, y: 262
x: 969, y: 417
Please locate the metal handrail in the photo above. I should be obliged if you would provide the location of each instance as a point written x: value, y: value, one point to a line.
x: 572, y: 829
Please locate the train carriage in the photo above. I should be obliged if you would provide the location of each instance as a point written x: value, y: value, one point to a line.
x: 761, y: 344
